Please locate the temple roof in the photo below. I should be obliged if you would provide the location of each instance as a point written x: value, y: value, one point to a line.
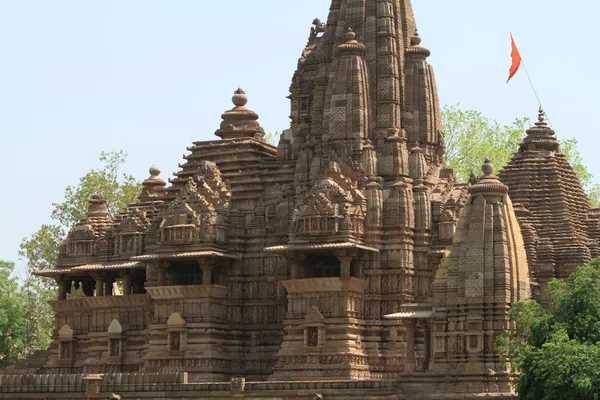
x: 555, y: 206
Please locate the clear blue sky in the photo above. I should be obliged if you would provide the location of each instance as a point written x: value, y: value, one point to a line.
x: 149, y: 76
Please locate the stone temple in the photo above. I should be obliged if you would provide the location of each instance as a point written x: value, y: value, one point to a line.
x: 346, y: 263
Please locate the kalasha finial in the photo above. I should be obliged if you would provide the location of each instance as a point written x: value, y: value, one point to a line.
x: 351, y: 35
x: 416, y: 39
x: 154, y: 171
x: 239, y: 98
x: 541, y: 114
x: 487, y: 167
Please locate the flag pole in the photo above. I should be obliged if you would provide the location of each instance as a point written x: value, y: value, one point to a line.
x: 533, y: 87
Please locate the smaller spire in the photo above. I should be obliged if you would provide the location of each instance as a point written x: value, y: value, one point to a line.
x: 98, y: 207
x: 415, y: 48
x: 153, y: 188
x: 489, y: 185
x: 540, y: 137
x: 240, y: 122
x: 352, y: 47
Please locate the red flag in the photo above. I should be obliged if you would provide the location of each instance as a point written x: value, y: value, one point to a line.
x: 516, y: 59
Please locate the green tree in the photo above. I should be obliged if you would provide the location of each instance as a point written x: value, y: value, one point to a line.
x: 471, y: 137
x: 272, y: 138
x: 557, y: 351
x: 41, y: 249
x: 13, y: 327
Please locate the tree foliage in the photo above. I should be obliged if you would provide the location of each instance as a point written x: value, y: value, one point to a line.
x: 557, y: 351
x: 117, y: 188
x: 41, y: 249
x: 13, y: 327
x: 471, y: 137
x: 272, y: 138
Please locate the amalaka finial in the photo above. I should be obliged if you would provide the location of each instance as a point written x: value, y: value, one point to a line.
x: 350, y: 35
x: 239, y: 98
x: 487, y: 167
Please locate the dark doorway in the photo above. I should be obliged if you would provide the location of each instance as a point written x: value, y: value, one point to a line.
x: 322, y: 267
x: 185, y: 274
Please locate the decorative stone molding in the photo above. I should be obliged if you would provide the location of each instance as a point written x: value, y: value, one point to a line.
x: 325, y: 285
x: 188, y: 292
x: 93, y: 303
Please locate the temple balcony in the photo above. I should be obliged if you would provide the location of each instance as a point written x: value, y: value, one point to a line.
x: 335, y: 297
x: 188, y: 292
x: 93, y: 303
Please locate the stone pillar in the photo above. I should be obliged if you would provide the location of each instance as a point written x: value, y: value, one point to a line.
x: 127, y: 285
x: 108, y: 287
x: 162, y: 275
x: 345, y: 270
x: 410, y: 345
x: 99, y: 286
x: 429, y: 357
x: 294, y: 268
x: 62, y: 290
x: 206, y: 273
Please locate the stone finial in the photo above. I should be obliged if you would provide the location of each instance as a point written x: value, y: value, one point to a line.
x: 350, y: 35
x: 239, y: 98
x: 540, y: 137
x: 415, y: 40
x: 487, y: 167
x: 542, y: 116
x: 240, y: 122
x: 351, y: 47
x: 98, y: 207
x: 489, y: 186
x: 153, y: 188
x: 154, y: 171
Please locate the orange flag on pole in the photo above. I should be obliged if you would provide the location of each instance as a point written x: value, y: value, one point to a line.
x: 516, y: 59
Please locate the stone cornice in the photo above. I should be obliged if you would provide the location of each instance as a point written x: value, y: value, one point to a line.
x: 312, y: 285
x: 187, y: 292
x: 93, y: 303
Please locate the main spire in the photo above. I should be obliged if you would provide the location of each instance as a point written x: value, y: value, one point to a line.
x: 400, y: 94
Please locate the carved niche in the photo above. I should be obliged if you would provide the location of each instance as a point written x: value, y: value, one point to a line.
x: 115, y: 341
x: 199, y: 214
x: 130, y: 232
x: 66, y: 345
x: 176, y: 335
x: 81, y: 241
x: 314, y: 330
x: 333, y: 207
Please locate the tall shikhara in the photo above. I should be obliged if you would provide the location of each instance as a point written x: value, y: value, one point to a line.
x: 559, y: 226
x: 330, y: 260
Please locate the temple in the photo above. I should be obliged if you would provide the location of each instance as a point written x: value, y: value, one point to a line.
x: 345, y: 263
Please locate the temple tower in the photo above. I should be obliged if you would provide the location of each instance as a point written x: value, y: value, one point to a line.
x: 484, y: 274
x: 552, y: 208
